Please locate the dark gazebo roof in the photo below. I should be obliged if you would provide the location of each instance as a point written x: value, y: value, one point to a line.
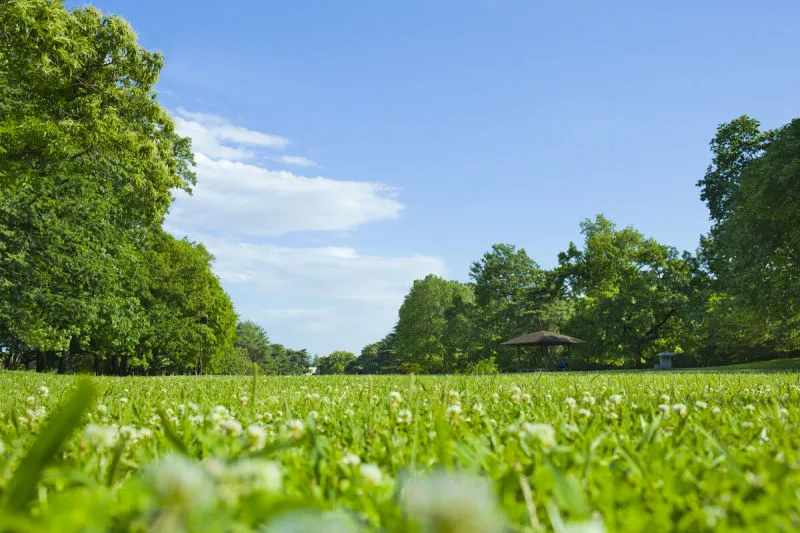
x: 543, y: 338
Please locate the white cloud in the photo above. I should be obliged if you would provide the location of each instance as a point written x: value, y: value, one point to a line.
x: 297, y: 160
x: 321, y: 298
x: 210, y: 133
x: 243, y: 199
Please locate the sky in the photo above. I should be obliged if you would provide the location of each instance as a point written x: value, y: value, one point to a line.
x: 345, y: 149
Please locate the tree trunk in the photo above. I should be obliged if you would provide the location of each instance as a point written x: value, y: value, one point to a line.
x: 63, y: 364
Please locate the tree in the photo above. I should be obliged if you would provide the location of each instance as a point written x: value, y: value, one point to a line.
x: 756, y: 238
x: 253, y: 340
x: 88, y: 163
x: 629, y: 292
x: 335, y: 363
x: 376, y: 358
x: 423, y: 322
x: 509, y: 288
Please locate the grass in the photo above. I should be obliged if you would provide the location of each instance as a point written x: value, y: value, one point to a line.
x: 652, y: 451
x: 773, y: 364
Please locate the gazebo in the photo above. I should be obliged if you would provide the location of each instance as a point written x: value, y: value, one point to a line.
x: 541, y: 338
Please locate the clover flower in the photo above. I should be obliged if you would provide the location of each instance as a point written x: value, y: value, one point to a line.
x: 404, y: 416
x: 43, y: 391
x: 543, y: 433
x: 444, y: 503
x: 180, y: 483
x: 351, y: 459
x: 100, y: 436
x: 371, y: 473
x: 296, y: 428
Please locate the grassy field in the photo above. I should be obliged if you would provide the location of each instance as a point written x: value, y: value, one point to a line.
x: 590, y: 452
x: 773, y: 364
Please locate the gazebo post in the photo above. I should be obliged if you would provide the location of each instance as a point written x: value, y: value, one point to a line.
x: 518, y: 357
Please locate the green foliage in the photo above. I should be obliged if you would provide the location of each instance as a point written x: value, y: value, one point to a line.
x: 253, y: 340
x: 335, y: 363
x: 424, y: 319
x: 630, y: 292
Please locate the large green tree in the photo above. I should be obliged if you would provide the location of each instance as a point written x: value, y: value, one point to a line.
x: 630, y: 292
x: 88, y: 164
x: 754, y: 249
x: 423, y: 324
x: 510, y: 288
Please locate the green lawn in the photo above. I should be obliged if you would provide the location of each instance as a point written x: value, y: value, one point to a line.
x: 773, y: 364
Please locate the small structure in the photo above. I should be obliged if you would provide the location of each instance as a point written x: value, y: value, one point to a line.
x: 664, y: 361
x: 541, y: 338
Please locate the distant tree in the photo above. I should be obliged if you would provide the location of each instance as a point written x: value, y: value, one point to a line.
x: 252, y: 338
x: 629, y: 292
x: 335, y: 363
x: 509, y: 285
x: 423, y: 322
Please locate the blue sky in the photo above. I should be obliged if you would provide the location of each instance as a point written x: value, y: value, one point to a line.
x: 347, y: 148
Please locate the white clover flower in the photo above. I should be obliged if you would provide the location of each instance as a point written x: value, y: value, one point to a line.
x: 700, y: 404
x: 145, y: 433
x: 123, y: 401
x: 371, y: 473
x: 783, y: 412
x: 313, y: 414
x: 404, y: 416
x: 612, y: 416
x: 716, y: 410
x: 231, y: 427
x: 30, y: 400
x: 220, y: 410
x: 256, y: 437
x: 544, y: 433
x: 747, y: 425
x: 453, y: 411
x: 679, y: 408
x: 453, y: 503
x: 296, y: 428
x: 267, y: 417
x: 102, y: 409
x: 128, y: 432
x: 169, y: 412
x: 197, y: 420
x: 181, y: 484
x: 665, y: 398
x: 395, y: 398
x: 351, y: 459
x: 664, y: 408
x: 750, y: 407
x: 478, y: 408
x: 454, y: 395
x: 547, y: 397
x: 584, y: 412
x: 257, y: 475
x: 100, y: 436
x: 616, y: 399
x: 526, y: 398
x: 243, y: 399
x: 43, y: 391
x: 570, y: 402
x: 193, y: 407
x: 589, y: 399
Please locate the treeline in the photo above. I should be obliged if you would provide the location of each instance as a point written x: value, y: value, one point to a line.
x: 89, y: 161
x: 736, y: 299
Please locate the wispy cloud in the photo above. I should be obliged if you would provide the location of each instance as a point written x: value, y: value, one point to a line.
x: 212, y: 136
x: 297, y: 161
